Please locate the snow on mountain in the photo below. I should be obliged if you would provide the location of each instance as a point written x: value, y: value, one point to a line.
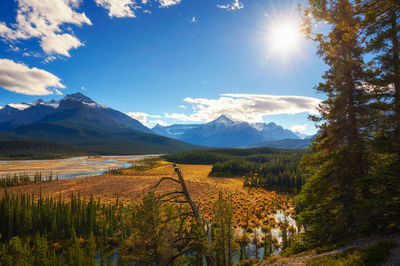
x: 224, y: 132
x: 73, y: 105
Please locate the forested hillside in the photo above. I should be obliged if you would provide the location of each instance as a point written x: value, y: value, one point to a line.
x: 261, y: 167
x: 32, y: 149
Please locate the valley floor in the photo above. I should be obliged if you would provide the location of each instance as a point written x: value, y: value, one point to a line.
x: 251, y: 205
x: 256, y: 203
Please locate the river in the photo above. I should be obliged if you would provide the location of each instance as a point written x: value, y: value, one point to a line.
x: 69, y: 168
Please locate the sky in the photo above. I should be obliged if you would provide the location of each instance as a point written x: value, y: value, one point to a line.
x: 163, y: 61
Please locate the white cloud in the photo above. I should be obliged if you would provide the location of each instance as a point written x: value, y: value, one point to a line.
x: 246, y: 107
x: 234, y: 6
x: 20, y: 78
x: 118, y: 8
x: 83, y: 88
x: 59, y: 44
x: 299, y: 128
x: 45, y: 20
x: 19, y: 106
x: 167, y: 3
x: 126, y: 8
x: 13, y: 48
x: 143, y: 118
x: 155, y: 122
x: 182, y: 106
x: 49, y: 59
x: 194, y: 20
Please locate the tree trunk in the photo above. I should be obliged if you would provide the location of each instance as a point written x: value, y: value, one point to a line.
x: 196, y: 211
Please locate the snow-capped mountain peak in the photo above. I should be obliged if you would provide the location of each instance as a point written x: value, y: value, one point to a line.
x: 79, y: 97
x: 223, y: 120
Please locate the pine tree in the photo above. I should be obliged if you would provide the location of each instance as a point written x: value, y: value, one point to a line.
x: 223, y: 234
x: 91, y: 249
x: 330, y: 201
x: 381, y: 24
x: 40, y: 250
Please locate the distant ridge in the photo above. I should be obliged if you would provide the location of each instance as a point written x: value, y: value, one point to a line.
x: 33, y: 149
x: 224, y: 132
x: 284, y: 144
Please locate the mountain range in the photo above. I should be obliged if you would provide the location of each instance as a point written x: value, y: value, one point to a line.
x: 79, y: 121
x: 224, y: 132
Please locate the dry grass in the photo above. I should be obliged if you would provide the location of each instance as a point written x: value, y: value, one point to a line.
x: 255, y: 203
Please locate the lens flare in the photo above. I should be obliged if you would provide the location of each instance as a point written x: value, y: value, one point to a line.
x: 284, y: 37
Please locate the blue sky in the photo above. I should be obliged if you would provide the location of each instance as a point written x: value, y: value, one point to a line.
x: 161, y: 60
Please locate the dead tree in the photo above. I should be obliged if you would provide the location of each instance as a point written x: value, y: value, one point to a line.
x: 183, y: 196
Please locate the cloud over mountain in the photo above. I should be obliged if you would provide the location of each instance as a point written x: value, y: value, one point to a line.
x: 143, y: 118
x: 20, y: 78
x: 246, y: 107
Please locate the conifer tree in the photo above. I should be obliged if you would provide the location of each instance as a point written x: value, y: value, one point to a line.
x: 331, y: 200
x: 381, y: 28
x: 223, y: 234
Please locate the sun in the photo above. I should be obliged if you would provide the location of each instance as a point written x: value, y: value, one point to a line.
x: 284, y: 37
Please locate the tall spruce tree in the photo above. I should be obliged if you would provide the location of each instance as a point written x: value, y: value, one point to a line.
x: 381, y: 25
x: 330, y: 203
x: 381, y: 32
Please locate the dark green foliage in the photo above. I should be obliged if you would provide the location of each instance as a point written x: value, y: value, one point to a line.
x: 261, y: 167
x: 223, y: 236
x: 24, y: 216
x: 353, y: 184
x: 47, y: 231
x: 220, y: 155
x: 33, y: 149
x: 372, y: 255
x: 9, y: 180
x: 299, y: 144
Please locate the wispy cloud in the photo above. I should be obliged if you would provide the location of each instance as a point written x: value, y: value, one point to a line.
x: 19, y: 106
x: 246, y: 107
x: 167, y: 3
x: 22, y: 79
x: 45, y: 20
x: 127, y: 8
x: 155, y: 122
x: 299, y: 128
x: 144, y: 118
x: 233, y: 6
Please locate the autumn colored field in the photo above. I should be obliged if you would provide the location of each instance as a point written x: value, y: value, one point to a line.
x: 252, y: 205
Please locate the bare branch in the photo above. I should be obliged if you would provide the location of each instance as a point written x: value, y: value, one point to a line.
x: 163, y: 179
